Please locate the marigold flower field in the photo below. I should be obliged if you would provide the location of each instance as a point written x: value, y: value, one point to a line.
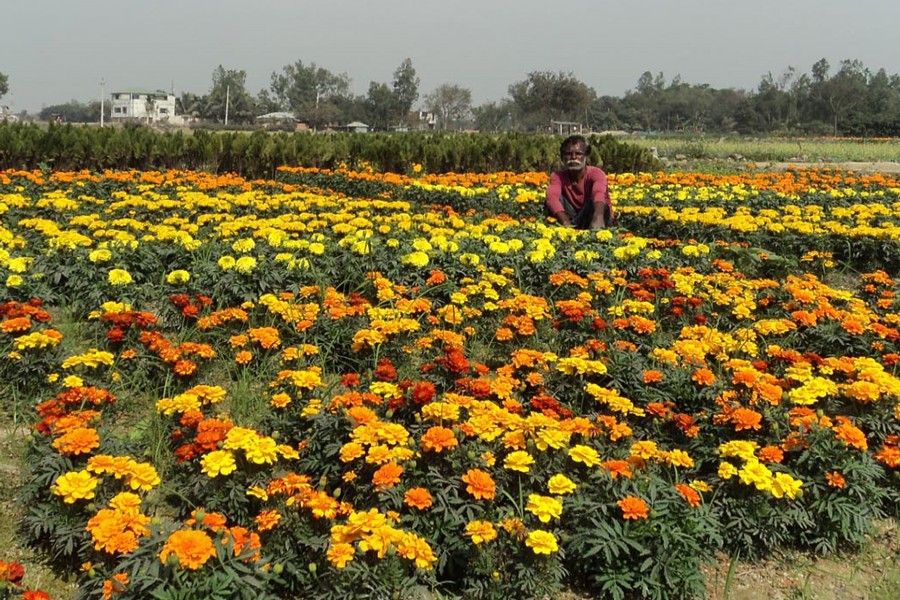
x: 349, y: 384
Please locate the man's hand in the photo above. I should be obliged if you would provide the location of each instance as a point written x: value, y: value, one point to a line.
x: 563, y: 219
x: 598, y: 220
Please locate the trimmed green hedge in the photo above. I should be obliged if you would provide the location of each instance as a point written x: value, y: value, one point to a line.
x: 258, y: 154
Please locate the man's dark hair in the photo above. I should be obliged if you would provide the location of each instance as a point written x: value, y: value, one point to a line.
x: 575, y: 139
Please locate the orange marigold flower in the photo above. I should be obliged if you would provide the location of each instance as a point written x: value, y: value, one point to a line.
x: 835, y: 480
x: 744, y: 418
x: 77, y: 441
x: 192, y: 548
x: 618, y: 467
x: 653, y: 376
x: 243, y: 357
x: 504, y: 334
x: 850, y: 434
x: 703, y: 377
x: 267, y: 519
x: 185, y: 367
x: 889, y: 455
x: 479, y: 484
x: 418, y: 497
x: 633, y: 508
x: 689, y: 494
x: 387, y: 476
x: 437, y: 439
x: 115, y: 585
x: 771, y: 454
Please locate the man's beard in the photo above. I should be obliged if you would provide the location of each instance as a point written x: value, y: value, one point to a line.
x: 575, y: 165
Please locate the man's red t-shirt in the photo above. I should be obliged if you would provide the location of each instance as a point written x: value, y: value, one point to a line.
x: 593, y: 186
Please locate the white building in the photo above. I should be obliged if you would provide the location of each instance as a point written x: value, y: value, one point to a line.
x: 6, y: 115
x: 149, y: 106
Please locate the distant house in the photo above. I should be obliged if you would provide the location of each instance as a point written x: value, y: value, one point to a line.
x: 426, y: 119
x: 149, y: 106
x: 566, y: 127
x: 6, y: 114
x: 356, y: 126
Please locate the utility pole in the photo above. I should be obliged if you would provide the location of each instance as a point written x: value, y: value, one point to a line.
x: 102, y: 98
x: 227, y: 95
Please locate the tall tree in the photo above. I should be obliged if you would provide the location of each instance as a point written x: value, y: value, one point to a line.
x: 838, y: 95
x: 544, y: 96
x: 405, y: 88
x: 381, y: 106
x: 229, y: 88
x: 494, y: 116
x: 4, y: 84
x: 450, y: 103
x: 310, y: 91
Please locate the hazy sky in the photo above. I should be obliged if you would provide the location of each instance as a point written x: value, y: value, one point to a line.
x: 57, y: 50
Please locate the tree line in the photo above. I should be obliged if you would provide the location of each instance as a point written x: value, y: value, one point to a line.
x: 849, y: 100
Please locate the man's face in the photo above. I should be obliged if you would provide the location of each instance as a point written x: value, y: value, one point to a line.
x: 574, y: 156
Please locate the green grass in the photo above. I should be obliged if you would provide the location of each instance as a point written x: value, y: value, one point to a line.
x: 773, y: 149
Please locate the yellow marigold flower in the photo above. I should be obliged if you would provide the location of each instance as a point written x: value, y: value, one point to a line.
x: 785, y: 485
x: 727, y: 470
x: 412, y: 547
x: 92, y: 359
x: 245, y: 264
x: 258, y: 492
x: 119, y: 277
x: 677, y: 458
x: 73, y: 381
x: 125, y: 502
x: 585, y: 455
x: 440, y: 411
x: 192, y: 548
x: 701, y: 486
x: 243, y: 246
x: 226, y: 263
x: 75, y: 485
x: 542, y: 542
x: 416, y: 259
x: 519, y: 461
x: 544, y: 507
x: 14, y: 281
x: 142, y: 476
x: 99, y: 256
x: 560, y: 484
x: 745, y: 450
x: 218, y: 462
x: 178, y: 277
x: 340, y: 554
x: 480, y: 532
x: 757, y: 474
x: 263, y: 451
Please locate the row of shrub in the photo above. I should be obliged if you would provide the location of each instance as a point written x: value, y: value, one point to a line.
x: 257, y: 155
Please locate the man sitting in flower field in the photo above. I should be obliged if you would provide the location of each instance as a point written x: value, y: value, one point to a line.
x: 578, y: 196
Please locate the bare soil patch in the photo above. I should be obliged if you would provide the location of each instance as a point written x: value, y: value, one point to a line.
x: 860, y: 167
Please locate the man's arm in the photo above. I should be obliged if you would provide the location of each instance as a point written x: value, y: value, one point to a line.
x: 601, y: 200
x: 553, y: 203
